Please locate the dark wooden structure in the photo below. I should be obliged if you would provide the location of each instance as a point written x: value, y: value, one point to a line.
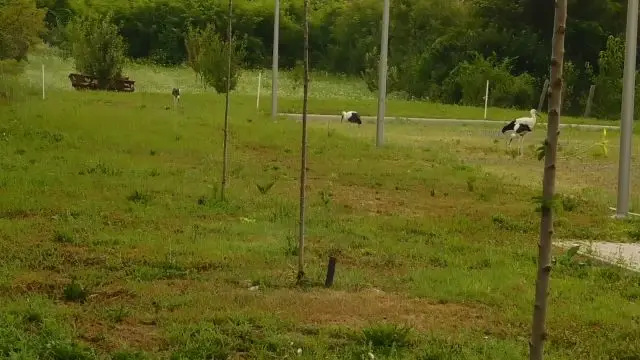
x: 86, y: 82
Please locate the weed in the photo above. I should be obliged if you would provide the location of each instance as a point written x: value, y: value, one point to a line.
x: 139, y: 197
x: 117, y: 314
x: 387, y: 338
x: 63, y: 237
x: 325, y: 196
x: 264, y: 189
x: 74, y: 292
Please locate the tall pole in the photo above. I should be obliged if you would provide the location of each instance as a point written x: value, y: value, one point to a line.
x: 274, y: 72
x: 626, y: 119
x: 382, y: 74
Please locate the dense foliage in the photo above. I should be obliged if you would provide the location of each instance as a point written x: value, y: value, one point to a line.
x: 208, y: 56
x: 21, y: 23
x: 444, y: 50
x: 97, y: 48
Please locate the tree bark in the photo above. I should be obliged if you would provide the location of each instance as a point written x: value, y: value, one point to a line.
x: 303, y: 162
x: 225, y: 150
x: 538, y: 334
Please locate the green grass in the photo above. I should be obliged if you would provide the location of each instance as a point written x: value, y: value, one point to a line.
x: 343, y: 92
x: 113, y: 243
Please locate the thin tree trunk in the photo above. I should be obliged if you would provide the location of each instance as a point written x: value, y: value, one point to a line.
x: 538, y: 334
x: 303, y: 165
x: 225, y: 150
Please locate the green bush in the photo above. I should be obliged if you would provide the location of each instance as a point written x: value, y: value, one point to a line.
x: 208, y: 57
x: 97, y: 48
x: 467, y: 84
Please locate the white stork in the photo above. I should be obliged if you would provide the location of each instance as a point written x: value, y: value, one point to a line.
x: 520, y: 127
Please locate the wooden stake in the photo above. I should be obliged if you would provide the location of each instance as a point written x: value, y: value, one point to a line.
x: 331, y: 271
x: 587, y: 110
x: 543, y: 94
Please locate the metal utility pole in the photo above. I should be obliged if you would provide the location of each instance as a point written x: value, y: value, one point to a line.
x: 382, y: 74
x: 626, y: 119
x: 274, y: 72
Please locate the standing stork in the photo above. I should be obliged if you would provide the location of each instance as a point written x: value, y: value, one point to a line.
x: 175, y: 92
x: 520, y: 127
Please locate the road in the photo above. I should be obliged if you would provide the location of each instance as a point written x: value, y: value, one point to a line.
x: 316, y: 117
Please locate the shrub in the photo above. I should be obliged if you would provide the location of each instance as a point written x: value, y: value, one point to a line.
x: 466, y: 84
x: 208, y: 55
x: 97, y: 48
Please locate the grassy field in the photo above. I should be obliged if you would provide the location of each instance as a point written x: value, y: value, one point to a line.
x: 328, y: 94
x: 113, y: 244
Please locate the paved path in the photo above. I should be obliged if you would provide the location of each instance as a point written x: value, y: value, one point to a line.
x: 316, y: 117
x: 621, y: 254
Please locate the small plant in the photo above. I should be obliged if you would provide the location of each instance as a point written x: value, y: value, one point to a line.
x: 31, y: 316
x: 292, y: 246
x: 101, y: 169
x: 63, y: 237
x: 264, y: 189
x: 75, y: 292
x: 325, y: 196
x: 567, y: 257
x: 569, y: 203
x: 541, y: 150
x: 634, y: 234
x: 603, y: 145
x: 386, y: 338
x: 117, y: 314
x: 139, y: 197
x: 471, y: 182
x: 153, y: 152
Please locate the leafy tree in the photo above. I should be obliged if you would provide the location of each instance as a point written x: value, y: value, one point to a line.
x: 97, y: 48
x: 21, y: 23
x: 207, y: 56
x: 608, y: 97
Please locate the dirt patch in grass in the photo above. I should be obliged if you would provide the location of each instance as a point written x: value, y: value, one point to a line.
x: 321, y: 307
x: 358, y: 309
x: 41, y: 282
x: 130, y: 333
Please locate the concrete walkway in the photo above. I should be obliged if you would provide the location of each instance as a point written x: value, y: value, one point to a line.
x: 316, y: 117
x: 620, y: 254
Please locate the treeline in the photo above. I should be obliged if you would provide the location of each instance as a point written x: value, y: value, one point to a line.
x: 442, y: 50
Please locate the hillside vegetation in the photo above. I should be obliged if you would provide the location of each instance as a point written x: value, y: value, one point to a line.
x: 441, y: 50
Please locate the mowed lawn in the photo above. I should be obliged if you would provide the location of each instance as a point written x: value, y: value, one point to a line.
x: 113, y: 243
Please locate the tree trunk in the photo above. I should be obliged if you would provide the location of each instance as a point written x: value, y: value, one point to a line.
x: 538, y: 334
x: 225, y: 150
x: 303, y: 162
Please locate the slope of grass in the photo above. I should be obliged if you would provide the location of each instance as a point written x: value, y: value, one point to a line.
x: 328, y: 94
x: 114, y: 245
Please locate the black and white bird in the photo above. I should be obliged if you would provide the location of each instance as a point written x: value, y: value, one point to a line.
x: 520, y: 127
x: 352, y: 117
x: 175, y: 92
